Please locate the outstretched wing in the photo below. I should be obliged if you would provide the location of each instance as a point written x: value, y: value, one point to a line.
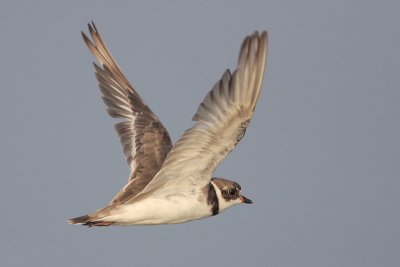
x: 221, y: 119
x: 144, y: 139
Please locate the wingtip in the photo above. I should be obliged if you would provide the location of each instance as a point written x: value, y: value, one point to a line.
x: 93, y: 25
x: 92, y: 28
x: 85, y: 38
x: 259, y: 35
x: 264, y: 35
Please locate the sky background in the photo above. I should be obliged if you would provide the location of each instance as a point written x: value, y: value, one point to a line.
x: 320, y: 159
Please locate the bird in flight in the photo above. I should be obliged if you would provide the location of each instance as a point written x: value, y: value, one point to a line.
x: 173, y: 183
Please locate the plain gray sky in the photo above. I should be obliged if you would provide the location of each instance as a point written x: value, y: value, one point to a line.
x: 320, y: 159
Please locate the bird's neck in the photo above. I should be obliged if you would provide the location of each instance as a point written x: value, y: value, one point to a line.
x: 223, y: 204
x: 213, y: 198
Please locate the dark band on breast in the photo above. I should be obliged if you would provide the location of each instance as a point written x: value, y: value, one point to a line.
x: 212, y: 199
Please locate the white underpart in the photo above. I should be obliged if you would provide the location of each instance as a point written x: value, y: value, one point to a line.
x: 174, y: 208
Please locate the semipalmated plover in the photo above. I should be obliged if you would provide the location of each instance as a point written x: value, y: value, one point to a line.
x: 172, y: 183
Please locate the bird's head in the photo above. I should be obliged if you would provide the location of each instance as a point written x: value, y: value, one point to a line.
x: 229, y: 193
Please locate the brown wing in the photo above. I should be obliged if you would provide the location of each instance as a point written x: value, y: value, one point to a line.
x: 144, y: 139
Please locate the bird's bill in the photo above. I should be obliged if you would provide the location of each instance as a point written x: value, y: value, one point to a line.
x: 244, y: 199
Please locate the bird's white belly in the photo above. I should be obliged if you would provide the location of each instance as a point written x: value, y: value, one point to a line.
x: 164, y: 210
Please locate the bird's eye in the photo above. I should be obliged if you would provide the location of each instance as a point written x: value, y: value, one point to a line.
x: 232, y: 192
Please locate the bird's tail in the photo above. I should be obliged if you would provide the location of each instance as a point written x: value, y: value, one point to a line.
x: 95, y: 219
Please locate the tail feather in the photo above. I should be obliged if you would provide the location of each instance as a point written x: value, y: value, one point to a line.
x: 89, y: 221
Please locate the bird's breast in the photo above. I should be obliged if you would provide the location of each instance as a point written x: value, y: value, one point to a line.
x: 168, y: 209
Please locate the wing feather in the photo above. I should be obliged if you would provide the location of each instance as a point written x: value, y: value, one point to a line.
x: 144, y: 139
x: 221, y: 122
